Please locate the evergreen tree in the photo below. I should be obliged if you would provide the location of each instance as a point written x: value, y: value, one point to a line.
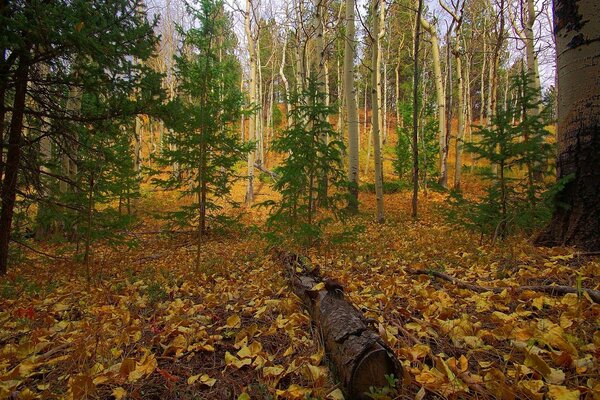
x: 514, y: 198
x: 295, y: 216
x: 54, y: 54
x: 208, y: 103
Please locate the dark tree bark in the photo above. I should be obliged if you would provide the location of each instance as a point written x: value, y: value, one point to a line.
x: 9, y: 183
x: 576, y: 220
x: 360, y: 357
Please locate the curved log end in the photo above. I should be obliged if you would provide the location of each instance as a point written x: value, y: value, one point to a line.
x: 371, y: 371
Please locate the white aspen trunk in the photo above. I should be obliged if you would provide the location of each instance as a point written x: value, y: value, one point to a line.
x: 286, y: 84
x: 440, y: 95
x: 384, y: 98
x: 242, y: 118
x: 376, y: 59
x: 578, y: 222
x: 379, y: 64
x: 326, y: 73
x: 461, y: 124
x: 532, y: 60
x: 399, y: 121
x: 351, y: 107
x: 252, y: 98
x: 260, y: 134
x: 482, y: 82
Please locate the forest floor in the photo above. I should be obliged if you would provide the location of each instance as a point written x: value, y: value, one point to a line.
x: 148, y: 326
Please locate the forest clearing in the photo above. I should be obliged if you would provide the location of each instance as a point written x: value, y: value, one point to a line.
x: 300, y: 199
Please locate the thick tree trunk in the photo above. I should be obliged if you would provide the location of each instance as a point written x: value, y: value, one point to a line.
x: 352, y: 112
x: 375, y: 113
x: 361, y: 358
x: 577, y: 220
x: 13, y: 156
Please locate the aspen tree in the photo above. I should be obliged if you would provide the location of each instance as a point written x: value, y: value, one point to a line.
x: 375, y: 58
x: 251, y: 42
x: 351, y: 107
x: 440, y: 96
x: 578, y: 161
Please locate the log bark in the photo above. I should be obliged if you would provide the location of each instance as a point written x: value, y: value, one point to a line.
x: 360, y: 357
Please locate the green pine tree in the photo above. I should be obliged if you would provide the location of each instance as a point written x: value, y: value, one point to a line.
x: 201, y: 117
x: 295, y: 217
x: 516, y: 196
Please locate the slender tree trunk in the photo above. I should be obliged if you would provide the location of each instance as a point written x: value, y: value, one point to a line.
x: 351, y: 107
x: 286, y: 85
x: 440, y: 96
x: 87, y: 255
x: 461, y: 124
x: 252, y: 98
x: 415, y: 131
x: 13, y: 158
x: 577, y: 221
x: 3, y: 87
x: 375, y: 114
x: 532, y: 60
x: 482, y: 81
x: 69, y: 156
x: 380, y: 62
x: 449, y: 99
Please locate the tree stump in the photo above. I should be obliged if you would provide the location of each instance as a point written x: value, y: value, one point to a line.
x: 360, y: 357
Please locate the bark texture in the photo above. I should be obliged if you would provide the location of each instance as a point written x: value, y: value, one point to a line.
x: 576, y: 220
x: 360, y: 357
x: 13, y: 159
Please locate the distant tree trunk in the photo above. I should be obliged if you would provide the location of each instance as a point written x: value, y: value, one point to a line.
x: 440, y: 95
x: 351, y: 107
x: 69, y: 156
x: 576, y: 219
x: 13, y: 157
x: 532, y: 60
x: 375, y: 113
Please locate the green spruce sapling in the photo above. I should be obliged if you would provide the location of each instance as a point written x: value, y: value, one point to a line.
x: 201, y: 139
x: 298, y: 217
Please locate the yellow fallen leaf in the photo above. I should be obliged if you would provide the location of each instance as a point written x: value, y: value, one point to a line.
x: 231, y: 360
x: 337, y: 394
x: 233, y: 322
x: 273, y: 371
x: 192, y: 379
x: 119, y: 393
x: 562, y: 393
x: 318, y: 286
x: 144, y: 367
x: 294, y: 391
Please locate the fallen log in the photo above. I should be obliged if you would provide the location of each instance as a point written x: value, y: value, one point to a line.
x: 359, y: 356
x: 553, y: 290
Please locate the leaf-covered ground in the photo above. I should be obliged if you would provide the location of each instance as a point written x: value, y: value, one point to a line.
x: 149, y: 327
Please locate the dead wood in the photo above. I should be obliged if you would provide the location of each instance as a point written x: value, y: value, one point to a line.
x: 554, y: 290
x: 360, y: 357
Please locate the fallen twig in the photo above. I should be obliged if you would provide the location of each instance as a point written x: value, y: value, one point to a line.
x: 554, y: 290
